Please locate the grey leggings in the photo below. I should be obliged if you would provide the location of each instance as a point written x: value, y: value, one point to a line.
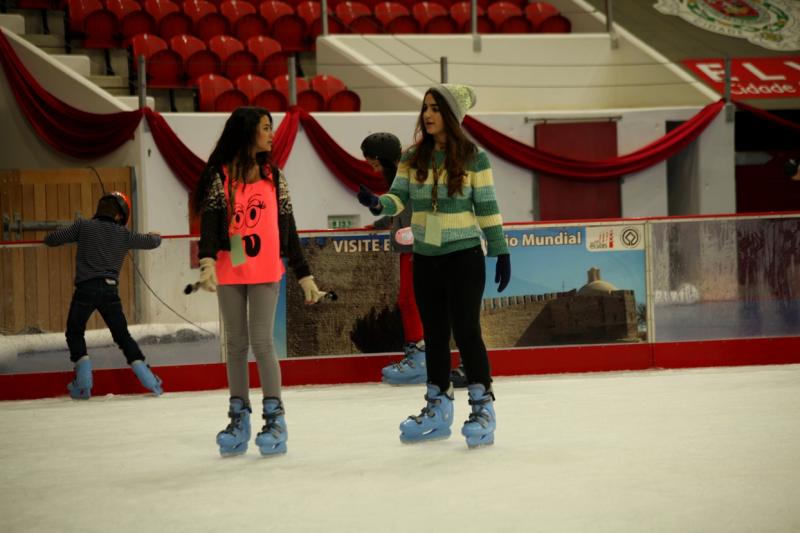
x: 243, y: 331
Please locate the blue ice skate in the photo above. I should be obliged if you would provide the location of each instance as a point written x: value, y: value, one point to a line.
x: 233, y: 439
x: 81, y: 387
x: 273, y: 436
x: 479, y: 428
x: 146, y: 377
x: 434, y: 420
x: 410, y: 370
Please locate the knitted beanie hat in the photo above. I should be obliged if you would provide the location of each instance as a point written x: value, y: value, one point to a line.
x: 460, y: 98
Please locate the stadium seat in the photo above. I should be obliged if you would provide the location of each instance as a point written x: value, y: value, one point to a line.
x: 210, y: 87
x: 100, y: 28
x: 163, y: 66
x: 327, y: 85
x: 252, y: 85
x: 268, y: 53
x: 281, y: 83
x: 236, y: 60
x: 395, y: 18
x: 555, y: 24
x: 243, y: 19
x: 197, y: 59
x: 508, y: 18
x: 285, y: 26
x: 132, y: 20
x: 170, y: 20
x: 536, y: 12
x: 310, y: 100
x: 77, y: 10
x: 433, y: 18
x: 207, y: 20
x: 344, y: 101
x: 462, y: 14
x: 357, y: 17
x: 272, y: 99
x: 311, y: 13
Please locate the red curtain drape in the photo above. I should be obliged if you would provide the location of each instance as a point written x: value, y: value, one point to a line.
x: 351, y: 171
x: 538, y: 160
x: 183, y: 162
x: 67, y: 129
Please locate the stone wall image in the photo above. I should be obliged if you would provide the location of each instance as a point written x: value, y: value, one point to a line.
x: 365, y: 275
x: 559, y: 318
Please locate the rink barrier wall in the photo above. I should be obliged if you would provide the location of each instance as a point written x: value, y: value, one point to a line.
x: 366, y: 368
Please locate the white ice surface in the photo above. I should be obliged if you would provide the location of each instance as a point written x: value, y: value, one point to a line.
x: 710, y: 450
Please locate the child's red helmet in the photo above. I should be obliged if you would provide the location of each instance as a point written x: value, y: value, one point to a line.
x: 124, y: 205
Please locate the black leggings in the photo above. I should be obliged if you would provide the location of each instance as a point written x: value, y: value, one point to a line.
x: 449, y: 291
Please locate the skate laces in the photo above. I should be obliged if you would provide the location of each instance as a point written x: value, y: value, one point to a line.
x: 481, y: 415
x: 427, y: 410
x: 271, y: 424
x: 236, y: 421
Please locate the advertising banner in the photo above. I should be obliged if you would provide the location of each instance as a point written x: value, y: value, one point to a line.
x: 569, y: 285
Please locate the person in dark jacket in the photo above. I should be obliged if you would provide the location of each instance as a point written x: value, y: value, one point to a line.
x: 103, y: 243
x: 246, y: 226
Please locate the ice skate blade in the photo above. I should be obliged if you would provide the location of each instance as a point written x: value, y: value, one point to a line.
x: 77, y: 393
x: 234, y: 451
x: 280, y: 449
x: 480, y: 442
x: 416, y: 381
x: 426, y: 437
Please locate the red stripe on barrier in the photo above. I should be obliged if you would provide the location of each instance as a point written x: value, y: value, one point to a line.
x: 366, y: 368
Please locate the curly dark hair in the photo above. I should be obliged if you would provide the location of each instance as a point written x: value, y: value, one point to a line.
x: 459, y: 150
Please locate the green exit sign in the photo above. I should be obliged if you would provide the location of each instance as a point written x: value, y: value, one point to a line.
x: 342, y: 221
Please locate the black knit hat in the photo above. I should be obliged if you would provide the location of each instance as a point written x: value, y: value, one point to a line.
x: 382, y: 146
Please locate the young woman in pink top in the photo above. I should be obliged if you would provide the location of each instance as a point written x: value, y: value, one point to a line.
x: 246, y: 227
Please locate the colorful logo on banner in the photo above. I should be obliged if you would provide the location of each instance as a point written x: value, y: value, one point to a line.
x: 772, y: 24
x: 757, y: 77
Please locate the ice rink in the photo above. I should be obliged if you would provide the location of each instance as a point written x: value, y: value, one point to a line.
x: 704, y: 450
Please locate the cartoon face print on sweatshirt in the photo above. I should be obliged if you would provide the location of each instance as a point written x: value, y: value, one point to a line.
x: 245, y: 221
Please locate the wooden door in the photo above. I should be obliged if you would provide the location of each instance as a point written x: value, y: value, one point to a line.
x: 37, y: 281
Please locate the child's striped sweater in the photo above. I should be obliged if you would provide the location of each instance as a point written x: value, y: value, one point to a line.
x: 462, y: 216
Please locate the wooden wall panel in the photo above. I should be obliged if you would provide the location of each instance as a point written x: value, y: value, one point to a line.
x: 38, y: 282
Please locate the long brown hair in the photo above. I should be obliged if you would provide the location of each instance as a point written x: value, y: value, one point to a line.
x: 234, y: 149
x: 459, y: 150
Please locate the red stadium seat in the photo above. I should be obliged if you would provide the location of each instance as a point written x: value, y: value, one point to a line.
x: 327, y: 85
x: 171, y: 21
x: 285, y: 26
x: 209, y: 87
x: 310, y: 100
x: 132, y: 20
x: 208, y: 22
x: 433, y: 18
x: 100, y: 29
x: 268, y: 52
x: 508, y: 18
x: 344, y: 101
x: 555, y: 24
x: 311, y: 13
x: 536, y: 12
x: 77, y: 11
x: 461, y: 12
x: 281, y: 83
x: 243, y: 19
x: 163, y: 66
x: 357, y: 17
x: 272, y: 99
x: 396, y: 18
x: 252, y: 85
x: 197, y: 59
x: 236, y: 61
x: 229, y: 100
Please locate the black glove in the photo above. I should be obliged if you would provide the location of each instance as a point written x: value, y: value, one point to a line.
x: 367, y: 198
x: 502, y: 272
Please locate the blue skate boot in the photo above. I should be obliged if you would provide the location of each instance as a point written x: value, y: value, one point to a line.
x: 81, y: 387
x: 273, y: 436
x: 433, y: 422
x: 146, y: 377
x: 479, y: 428
x: 233, y: 439
x: 410, y: 370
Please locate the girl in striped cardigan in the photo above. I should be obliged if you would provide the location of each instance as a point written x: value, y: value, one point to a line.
x: 448, y: 183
